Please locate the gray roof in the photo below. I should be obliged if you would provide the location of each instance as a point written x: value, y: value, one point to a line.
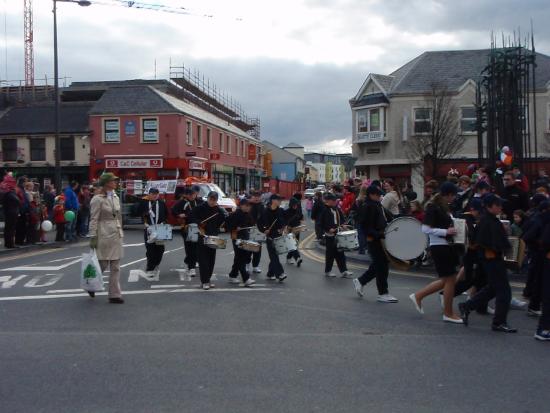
x: 293, y: 145
x: 39, y: 119
x: 279, y: 155
x: 121, y: 100
x: 450, y: 68
x: 373, y: 99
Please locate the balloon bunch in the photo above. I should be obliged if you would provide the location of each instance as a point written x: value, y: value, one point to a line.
x: 506, y: 156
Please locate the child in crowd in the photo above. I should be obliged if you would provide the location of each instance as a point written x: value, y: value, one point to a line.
x: 59, y: 217
x: 309, y: 206
x: 35, y: 212
x: 416, y: 210
x: 517, y: 224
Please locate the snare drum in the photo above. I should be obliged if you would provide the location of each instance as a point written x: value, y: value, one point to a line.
x: 285, y: 243
x: 404, y: 238
x: 164, y: 232
x: 256, y: 235
x: 192, y: 233
x: 347, y: 240
x: 214, y: 242
x: 248, y: 245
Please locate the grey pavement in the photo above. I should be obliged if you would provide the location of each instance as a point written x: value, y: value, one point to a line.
x: 309, y: 344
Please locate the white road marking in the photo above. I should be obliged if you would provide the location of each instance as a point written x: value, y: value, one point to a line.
x: 194, y: 285
x: 43, y: 280
x: 48, y: 268
x: 134, y: 292
x: 133, y: 245
x: 11, y: 281
x: 74, y: 290
x: 134, y: 278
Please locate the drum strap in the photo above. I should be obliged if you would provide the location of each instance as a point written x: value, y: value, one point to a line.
x: 154, y: 216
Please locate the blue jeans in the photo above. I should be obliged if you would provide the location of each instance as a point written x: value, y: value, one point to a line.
x: 70, y: 229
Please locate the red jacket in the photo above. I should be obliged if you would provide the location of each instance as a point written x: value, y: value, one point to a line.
x: 347, y: 203
x: 59, y: 214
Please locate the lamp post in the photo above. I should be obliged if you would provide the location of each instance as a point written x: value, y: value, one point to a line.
x: 82, y: 3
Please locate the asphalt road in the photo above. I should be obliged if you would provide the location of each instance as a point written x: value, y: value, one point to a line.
x: 309, y: 344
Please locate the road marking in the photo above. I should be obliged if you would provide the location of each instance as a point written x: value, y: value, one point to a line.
x: 45, y: 280
x: 74, y: 290
x: 133, y: 245
x: 30, y: 254
x: 133, y: 292
x: 135, y: 278
x: 194, y: 285
x: 46, y: 268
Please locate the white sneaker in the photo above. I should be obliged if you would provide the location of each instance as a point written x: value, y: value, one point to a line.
x: 151, y: 275
x: 418, y: 308
x: 271, y: 277
x: 516, y: 304
x: 282, y: 277
x: 257, y: 270
x: 453, y: 320
x: 386, y: 298
x: 358, y: 287
x: 206, y: 286
x: 234, y: 280
x: 346, y: 274
x: 490, y: 310
x: 330, y: 274
x: 249, y: 282
x: 290, y: 261
x: 192, y: 272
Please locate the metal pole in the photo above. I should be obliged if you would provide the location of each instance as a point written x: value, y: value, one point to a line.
x: 56, y: 110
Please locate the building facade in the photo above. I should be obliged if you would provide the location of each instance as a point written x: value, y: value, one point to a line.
x: 389, y: 111
x: 284, y: 164
x: 332, y: 167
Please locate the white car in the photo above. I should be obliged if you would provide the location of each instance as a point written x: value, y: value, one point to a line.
x: 310, y: 192
x: 223, y: 200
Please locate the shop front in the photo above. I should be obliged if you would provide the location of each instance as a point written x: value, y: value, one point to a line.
x: 46, y: 175
x: 223, y: 177
x: 240, y: 180
x: 255, y: 179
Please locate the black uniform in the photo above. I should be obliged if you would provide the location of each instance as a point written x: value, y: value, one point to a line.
x: 207, y: 255
x: 185, y: 207
x: 316, y: 212
x: 493, y: 243
x: 445, y: 256
x: 256, y: 212
x: 332, y: 218
x: 11, y: 206
x: 515, y: 199
x: 240, y: 219
x: 274, y: 221
x: 532, y: 233
x: 153, y: 212
x: 544, y: 321
x: 373, y: 222
x: 294, y: 218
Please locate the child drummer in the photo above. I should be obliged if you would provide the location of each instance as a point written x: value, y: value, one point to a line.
x: 239, y: 223
x: 331, y: 222
x: 294, y: 217
x: 272, y: 224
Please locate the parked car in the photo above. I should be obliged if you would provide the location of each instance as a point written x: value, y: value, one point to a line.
x: 310, y: 192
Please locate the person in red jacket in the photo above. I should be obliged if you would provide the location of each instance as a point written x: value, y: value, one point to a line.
x: 59, y: 218
x: 348, y: 200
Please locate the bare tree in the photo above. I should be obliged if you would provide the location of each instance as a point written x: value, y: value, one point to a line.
x: 437, y: 137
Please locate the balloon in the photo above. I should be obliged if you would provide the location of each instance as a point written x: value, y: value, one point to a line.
x: 47, y: 226
x: 69, y: 216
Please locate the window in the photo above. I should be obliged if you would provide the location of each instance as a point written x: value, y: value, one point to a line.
x: 208, y: 138
x: 229, y: 144
x: 221, y: 142
x: 9, y: 150
x: 369, y: 120
x: 189, y: 134
x: 199, y: 136
x: 150, y: 130
x: 242, y: 149
x: 238, y: 147
x: 111, y: 131
x: 422, y: 120
x: 67, y: 149
x: 38, y: 149
x: 468, y: 120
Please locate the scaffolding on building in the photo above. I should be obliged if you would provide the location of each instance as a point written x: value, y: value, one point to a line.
x: 195, y: 88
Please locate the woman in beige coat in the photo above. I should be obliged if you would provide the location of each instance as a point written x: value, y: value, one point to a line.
x: 106, y: 232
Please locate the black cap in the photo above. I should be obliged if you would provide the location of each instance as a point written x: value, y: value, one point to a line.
x: 213, y: 195
x: 153, y: 190
x: 374, y: 190
x: 482, y: 185
x: 537, y: 199
x: 448, y: 188
x: 244, y: 201
x: 195, y: 188
x: 293, y: 201
x: 544, y: 205
x: 476, y: 204
x: 275, y: 197
x: 492, y: 199
x: 187, y: 191
x: 329, y: 196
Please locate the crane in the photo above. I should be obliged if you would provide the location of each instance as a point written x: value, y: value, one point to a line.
x: 28, y: 38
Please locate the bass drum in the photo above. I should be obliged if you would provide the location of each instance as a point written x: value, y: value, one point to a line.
x: 404, y: 238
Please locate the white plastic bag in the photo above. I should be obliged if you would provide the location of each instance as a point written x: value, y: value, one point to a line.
x: 91, y: 278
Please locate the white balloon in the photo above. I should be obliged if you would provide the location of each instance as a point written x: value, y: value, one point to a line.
x: 47, y: 226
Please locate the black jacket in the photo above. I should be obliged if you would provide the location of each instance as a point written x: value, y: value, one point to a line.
x: 491, y: 234
x: 372, y: 219
x: 256, y: 211
x: 201, y: 213
x: 185, y: 206
x: 274, y: 219
x: 514, y: 199
x: 11, y: 204
x: 240, y: 219
x: 331, y: 218
x: 144, y: 211
x: 293, y: 217
x: 318, y: 207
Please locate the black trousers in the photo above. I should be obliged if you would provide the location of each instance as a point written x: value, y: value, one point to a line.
x: 498, y: 287
x: 474, y: 275
x: 294, y: 254
x: 275, y: 268
x: 10, y: 223
x: 378, y: 267
x: 153, y: 253
x: 318, y: 229
x: 207, y: 260
x: 544, y: 321
x: 190, y: 253
x: 240, y: 260
x: 21, y: 229
x: 60, y: 232
x: 256, y: 257
x: 332, y: 253
x: 534, y: 275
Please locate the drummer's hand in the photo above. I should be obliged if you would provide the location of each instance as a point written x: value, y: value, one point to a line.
x: 332, y: 231
x: 181, y: 215
x: 451, y: 231
x: 266, y: 232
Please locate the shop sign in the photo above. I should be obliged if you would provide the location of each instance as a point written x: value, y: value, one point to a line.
x: 223, y: 168
x: 251, y: 152
x: 167, y: 186
x: 197, y: 165
x: 214, y: 156
x: 134, y: 163
x: 240, y: 171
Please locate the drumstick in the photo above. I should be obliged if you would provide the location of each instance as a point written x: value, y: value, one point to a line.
x: 271, y: 226
x: 209, y: 218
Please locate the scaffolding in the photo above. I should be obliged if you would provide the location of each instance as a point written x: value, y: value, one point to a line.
x: 193, y: 87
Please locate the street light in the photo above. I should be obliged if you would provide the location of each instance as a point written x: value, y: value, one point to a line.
x: 83, y: 3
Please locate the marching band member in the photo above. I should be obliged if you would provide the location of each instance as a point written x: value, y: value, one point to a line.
x: 543, y: 329
x: 373, y: 220
x: 182, y: 210
x: 239, y: 223
x: 256, y: 210
x: 331, y: 220
x: 493, y: 243
x: 272, y: 224
x: 438, y: 225
x: 153, y: 211
x: 293, y: 218
x: 209, y: 217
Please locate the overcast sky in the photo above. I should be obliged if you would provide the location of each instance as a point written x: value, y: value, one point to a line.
x: 294, y: 63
